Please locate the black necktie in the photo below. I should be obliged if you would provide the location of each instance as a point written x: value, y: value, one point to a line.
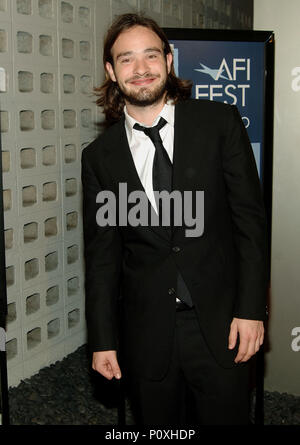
x: 162, y: 166
x: 162, y: 180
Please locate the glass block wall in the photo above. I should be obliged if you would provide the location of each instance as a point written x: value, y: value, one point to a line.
x: 221, y: 14
x: 47, y: 53
x: 50, y: 59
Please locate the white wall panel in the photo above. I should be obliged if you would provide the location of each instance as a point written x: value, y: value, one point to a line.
x: 48, y: 57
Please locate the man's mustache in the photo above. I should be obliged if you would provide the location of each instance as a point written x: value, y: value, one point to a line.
x: 144, y: 76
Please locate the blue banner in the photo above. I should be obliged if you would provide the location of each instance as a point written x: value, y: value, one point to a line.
x: 230, y: 72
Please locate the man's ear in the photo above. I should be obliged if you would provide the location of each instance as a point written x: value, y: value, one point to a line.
x: 169, y: 59
x: 110, y: 71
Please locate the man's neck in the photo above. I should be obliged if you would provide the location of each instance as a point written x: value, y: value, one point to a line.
x: 145, y: 115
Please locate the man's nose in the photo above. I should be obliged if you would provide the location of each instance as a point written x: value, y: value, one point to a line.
x: 141, y: 66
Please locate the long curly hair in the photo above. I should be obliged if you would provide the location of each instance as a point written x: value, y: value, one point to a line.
x: 110, y: 98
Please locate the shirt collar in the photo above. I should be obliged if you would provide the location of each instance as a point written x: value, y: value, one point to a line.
x: 167, y: 113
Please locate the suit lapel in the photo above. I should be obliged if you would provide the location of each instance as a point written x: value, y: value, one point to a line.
x: 119, y: 159
x: 178, y: 153
x: 189, y: 140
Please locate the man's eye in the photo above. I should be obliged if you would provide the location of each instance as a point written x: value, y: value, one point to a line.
x: 152, y: 56
x: 125, y: 60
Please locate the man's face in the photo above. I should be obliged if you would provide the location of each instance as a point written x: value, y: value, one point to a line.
x: 140, y: 66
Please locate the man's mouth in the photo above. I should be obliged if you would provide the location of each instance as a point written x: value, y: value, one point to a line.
x: 144, y: 81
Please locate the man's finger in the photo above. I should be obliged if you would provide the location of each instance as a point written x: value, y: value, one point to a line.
x: 102, y: 368
x: 261, y: 339
x: 257, y: 344
x: 250, y: 351
x: 116, y: 371
x: 232, y: 336
x: 250, y: 347
x: 242, y: 351
x: 105, y: 370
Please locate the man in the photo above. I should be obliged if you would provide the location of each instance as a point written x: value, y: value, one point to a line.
x: 192, y: 306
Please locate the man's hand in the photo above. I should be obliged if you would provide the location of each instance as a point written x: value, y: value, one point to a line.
x: 106, y: 363
x: 251, y: 333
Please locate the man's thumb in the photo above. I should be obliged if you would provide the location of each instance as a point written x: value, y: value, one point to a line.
x: 115, y: 368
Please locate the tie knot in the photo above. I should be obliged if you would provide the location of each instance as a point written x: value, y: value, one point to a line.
x: 152, y: 132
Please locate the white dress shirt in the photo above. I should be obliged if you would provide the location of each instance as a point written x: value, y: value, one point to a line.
x: 143, y: 150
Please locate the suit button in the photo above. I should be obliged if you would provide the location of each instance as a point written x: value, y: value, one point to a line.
x: 171, y: 291
x: 267, y: 312
x: 176, y: 249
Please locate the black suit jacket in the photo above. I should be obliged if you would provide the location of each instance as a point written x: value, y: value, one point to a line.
x: 225, y: 268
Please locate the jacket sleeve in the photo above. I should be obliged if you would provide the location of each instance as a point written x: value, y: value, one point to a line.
x: 102, y: 252
x: 248, y: 217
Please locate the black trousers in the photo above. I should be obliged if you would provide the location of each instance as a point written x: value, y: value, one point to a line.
x: 195, y: 390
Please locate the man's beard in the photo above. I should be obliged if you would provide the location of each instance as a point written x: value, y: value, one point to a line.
x: 144, y: 96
